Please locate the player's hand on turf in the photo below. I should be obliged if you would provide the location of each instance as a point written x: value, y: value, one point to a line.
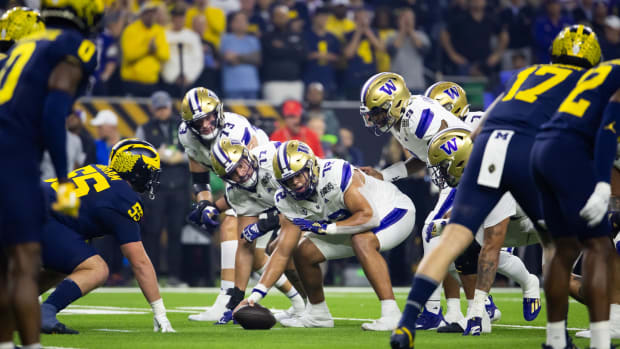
x: 67, y: 201
x: 308, y: 225
x: 204, y: 214
x: 161, y: 322
x: 372, y: 172
x: 251, y: 232
x: 596, y: 206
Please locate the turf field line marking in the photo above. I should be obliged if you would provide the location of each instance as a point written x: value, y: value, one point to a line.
x: 216, y: 290
x: 112, y: 330
x: 137, y: 311
x: 46, y: 347
x: 535, y: 327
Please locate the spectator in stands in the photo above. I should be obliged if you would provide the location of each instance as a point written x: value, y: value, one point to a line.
x: 610, y: 41
x: 600, y: 16
x: 241, y: 57
x: 407, y: 49
x: 75, y: 157
x: 338, y: 24
x: 144, y: 50
x: 360, y: 53
x: 383, y: 23
x: 106, y: 122
x: 294, y: 129
x: 314, y: 108
x: 106, y: 76
x: 263, y: 9
x: 546, y: 27
x: 75, y: 125
x: 467, y: 41
x: 517, y: 19
x: 215, y: 21
x: 322, y: 53
x: 346, y: 150
x: 298, y: 11
x: 168, y: 211
x: 283, y: 58
x: 317, y: 125
x: 257, y: 25
x: 186, y: 55
x: 210, y: 75
x: 427, y: 12
x: 583, y: 13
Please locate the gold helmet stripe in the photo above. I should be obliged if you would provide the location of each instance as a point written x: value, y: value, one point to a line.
x: 193, y: 101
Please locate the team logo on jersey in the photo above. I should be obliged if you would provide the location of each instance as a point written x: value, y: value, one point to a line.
x: 388, y: 87
x: 452, y: 92
x: 329, y: 187
x: 450, y: 146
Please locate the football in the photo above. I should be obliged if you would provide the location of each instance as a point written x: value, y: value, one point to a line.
x: 254, y: 318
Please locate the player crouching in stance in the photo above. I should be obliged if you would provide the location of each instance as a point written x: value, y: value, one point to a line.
x: 249, y: 191
x: 342, y: 212
x: 110, y: 205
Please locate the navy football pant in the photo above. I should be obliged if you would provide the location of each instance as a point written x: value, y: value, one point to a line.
x: 62, y: 248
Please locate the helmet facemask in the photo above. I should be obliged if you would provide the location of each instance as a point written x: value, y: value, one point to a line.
x: 197, y: 123
x: 441, y: 177
x: 372, y: 118
x: 309, y: 187
x: 247, y: 181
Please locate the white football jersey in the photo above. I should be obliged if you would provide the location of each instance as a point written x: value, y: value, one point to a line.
x: 236, y: 127
x: 473, y: 118
x: 328, y: 205
x: 252, y: 203
x: 422, y: 119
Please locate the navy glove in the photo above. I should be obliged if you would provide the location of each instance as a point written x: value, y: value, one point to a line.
x: 204, y: 214
x: 308, y: 225
x: 252, y: 232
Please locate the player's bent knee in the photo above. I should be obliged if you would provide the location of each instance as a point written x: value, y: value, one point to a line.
x: 97, y: 267
x: 307, y: 252
x: 365, y: 242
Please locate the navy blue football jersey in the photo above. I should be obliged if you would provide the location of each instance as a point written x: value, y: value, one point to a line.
x: 532, y: 96
x: 582, y: 110
x: 109, y: 206
x: 25, y: 73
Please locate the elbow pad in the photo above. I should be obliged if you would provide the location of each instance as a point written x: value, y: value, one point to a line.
x: 269, y: 221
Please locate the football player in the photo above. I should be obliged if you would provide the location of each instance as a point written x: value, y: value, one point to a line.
x: 204, y: 123
x: 50, y: 67
x: 500, y: 161
x: 110, y: 206
x: 342, y: 213
x: 574, y: 206
x: 249, y: 191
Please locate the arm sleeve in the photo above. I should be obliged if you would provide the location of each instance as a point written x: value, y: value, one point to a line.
x: 606, y: 142
x: 57, y: 106
x: 121, y: 226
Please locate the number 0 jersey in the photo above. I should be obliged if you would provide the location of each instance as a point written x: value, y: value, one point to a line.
x: 335, y: 177
x: 236, y: 127
x: 109, y: 206
x: 25, y: 73
x: 252, y: 203
x: 532, y: 96
x: 582, y: 110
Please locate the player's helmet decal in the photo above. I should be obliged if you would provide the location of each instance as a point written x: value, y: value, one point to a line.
x: 448, y: 153
x: 451, y: 96
x: 576, y: 45
x: 383, y: 94
x: 138, y: 162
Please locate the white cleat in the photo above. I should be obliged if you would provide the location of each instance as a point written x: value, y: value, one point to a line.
x: 387, y: 323
x: 309, y: 320
x: 614, y: 333
x: 288, y: 314
x: 213, y: 313
x: 455, y: 316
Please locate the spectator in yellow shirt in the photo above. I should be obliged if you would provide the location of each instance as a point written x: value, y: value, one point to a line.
x: 338, y: 24
x: 216, y: 21
x: 144, y: 50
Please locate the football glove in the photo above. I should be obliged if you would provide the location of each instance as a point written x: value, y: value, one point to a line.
x: 434, y: 228
x: 67, y: 201
x: 251, y: 232
x: 160, y: 321
x: 596, y: 206
x: 204, y: 214
x: 308, y: 225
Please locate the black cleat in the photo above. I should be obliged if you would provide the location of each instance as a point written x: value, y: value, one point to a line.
x: 58, y: 328
x: 402, y: 338
x: 451, y: 328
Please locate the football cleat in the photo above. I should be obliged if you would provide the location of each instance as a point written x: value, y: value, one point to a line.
x: 386, y: 323
x: 531, y: 308
x: 288, y: 314
x: 226, y: 318
x: 492, y: 310
x: 429, y: 321
x: 309, y: 320
x: 451, y: 328
x: 569, y: 344
x: 215, y: 312
x: 474, y: 327
x: 58, y: 328
x: 402, y: 338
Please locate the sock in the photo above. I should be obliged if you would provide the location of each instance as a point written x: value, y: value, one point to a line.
x: 281, y: 281
x: 318, y: 308
x: 7, y: 345
x: 296, y: 301
x: 600, y: 337
x: 433, y: 304
x: 32, y: 346
x: 225, y: 285
x: 478, y: 309
x: 66, y: 293
x: 614, y: 315
x: 421, y: 289
x: 556, y: 334
x: 454, y: 305
x: 389, y: 308
x: 513, y: 268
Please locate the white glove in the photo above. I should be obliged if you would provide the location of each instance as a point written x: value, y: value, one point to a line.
x: 160, y: 321
x: 596, y: 206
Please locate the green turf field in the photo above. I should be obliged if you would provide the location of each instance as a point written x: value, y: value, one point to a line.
x: 113, y: 318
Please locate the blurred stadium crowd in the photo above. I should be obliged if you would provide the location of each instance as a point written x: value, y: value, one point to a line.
x: 294, y: 55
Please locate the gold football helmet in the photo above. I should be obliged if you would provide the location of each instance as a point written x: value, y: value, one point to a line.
x: 227, y: 155
x: 576, y: 45
x: 448, y: 153
x: 292, y: 159
x: 198, y: 104
x: 451, y: 96
x: 137, y: 162
x: 383, y: 99
x: 85, y: 14
x: 19, y: 22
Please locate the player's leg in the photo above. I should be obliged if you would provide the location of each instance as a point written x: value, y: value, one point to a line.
x: 291, y: 272
x: 513, y: 268
x: 6, y: 312
x: 24, y: 267
x: 431, y: 316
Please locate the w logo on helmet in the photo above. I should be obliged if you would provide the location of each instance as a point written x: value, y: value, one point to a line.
x: 453, y: 92
x: 450, y: 146
x: 388, y: 87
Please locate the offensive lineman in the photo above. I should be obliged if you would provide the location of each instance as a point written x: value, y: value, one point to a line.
x: 342, y: 213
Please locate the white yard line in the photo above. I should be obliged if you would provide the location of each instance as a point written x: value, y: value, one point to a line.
x: 215, y: 290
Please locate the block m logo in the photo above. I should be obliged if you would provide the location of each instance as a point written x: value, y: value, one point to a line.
x: 388, y: 87
x: 502, y: 135
x: 450, y: 146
